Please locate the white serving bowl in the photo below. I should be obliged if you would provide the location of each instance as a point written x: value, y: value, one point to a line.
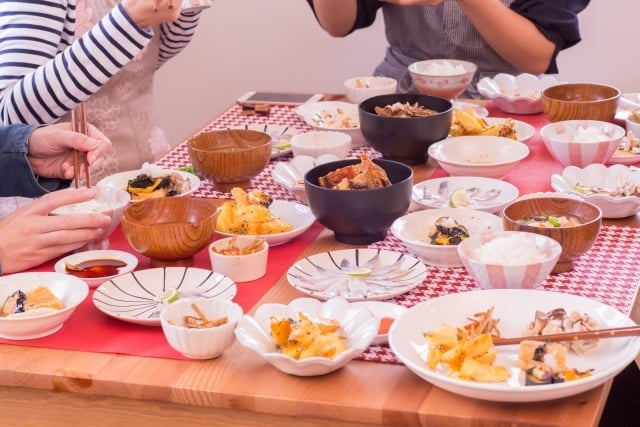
x: 297, y: 214
x: 358, y: 89
x: 509, y: 271
x: 333, y: 115
x: 521, y: 94
x: 319, y: 142
x: 485, y: 156
x: 239, y: 267
x: 435, y: 76
x: 110, y: 201
x: 290, y: 175
x: 605, y: 178
x: 70, y: 290
x: 358, y: 324
x: 200, y: 343
x: 413, y: 231
x: 564, y: 142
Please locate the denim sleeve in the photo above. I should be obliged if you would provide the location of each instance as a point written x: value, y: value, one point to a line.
x: 17, y: 176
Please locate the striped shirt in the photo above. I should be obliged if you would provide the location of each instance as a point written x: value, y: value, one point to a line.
x: 44, y: 73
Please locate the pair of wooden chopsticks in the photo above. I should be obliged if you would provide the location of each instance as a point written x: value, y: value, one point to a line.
x: 79, y: 124
x: 625, y: 331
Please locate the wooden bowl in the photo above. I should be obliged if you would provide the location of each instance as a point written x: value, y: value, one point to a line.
x: 580, y: 101
x: 230, y: 158
x: 575, y: 241
x: 170, y: 231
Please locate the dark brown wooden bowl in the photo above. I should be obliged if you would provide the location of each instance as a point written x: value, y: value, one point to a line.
x: 580, y: 101
x: 230, y: 158
x: 170, y: 231
x: 575, y: 241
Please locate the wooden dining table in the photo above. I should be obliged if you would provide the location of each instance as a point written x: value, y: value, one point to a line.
x: 52, y: 386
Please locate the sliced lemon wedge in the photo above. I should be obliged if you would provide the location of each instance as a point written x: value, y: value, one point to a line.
x: 168, y: 296
x: 360, y: 272
x: 459, y: 198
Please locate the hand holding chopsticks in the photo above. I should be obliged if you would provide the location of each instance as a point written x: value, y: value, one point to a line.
x: 79, y: 124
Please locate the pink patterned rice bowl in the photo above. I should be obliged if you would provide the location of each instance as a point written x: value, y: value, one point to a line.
x: 509, y: 259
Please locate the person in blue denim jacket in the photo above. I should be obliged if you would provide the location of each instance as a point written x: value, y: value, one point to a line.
x: 39, y: 161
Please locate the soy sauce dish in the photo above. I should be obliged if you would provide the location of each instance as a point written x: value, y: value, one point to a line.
x: 95, y: 267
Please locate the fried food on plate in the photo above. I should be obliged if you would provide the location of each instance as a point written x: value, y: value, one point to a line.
x: 468, y: 122
x: 249, y: 213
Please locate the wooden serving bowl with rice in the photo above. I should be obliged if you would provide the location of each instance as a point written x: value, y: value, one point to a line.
x: 573, y: 223
x: 230, y: 158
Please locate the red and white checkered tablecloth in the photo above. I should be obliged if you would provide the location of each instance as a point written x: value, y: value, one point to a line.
x: 278, y: 115
x: 608, y: 273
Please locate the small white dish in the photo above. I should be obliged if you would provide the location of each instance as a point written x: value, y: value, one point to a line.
x: 70, y: 290
x: 357, y: 89
x: 136, y: 297
x: 515, y: 308
x: 508, y: 192
x: 357, y: 324
x: 357, y: 274
x: 386, y: 313
x: 239, y: 267
x: 297, y: 214
x: 333, y: 115
x: 628, y: 102
x: 599, y: 175
x: 485, y: 156
x: 519, y: 94
x: 205, y: 342
x: 524, y: 130
x: 413, y: 231
x: 280, y: 136
x: 290, y: 175
x: 121, y: 179
x: 318, y: 142
x: 88, y: 258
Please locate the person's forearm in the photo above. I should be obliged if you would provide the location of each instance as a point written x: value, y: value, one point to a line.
x: 44, y: 87
x: 511, y: 35
x: 336, y: 16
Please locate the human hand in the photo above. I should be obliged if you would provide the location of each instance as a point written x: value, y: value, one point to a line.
x: 52, y: 149
x: 152, y: 12
x: 30, y: 236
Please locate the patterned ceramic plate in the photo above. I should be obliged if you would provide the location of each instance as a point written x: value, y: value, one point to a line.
x: 357, y: 274
x: 136, y: 297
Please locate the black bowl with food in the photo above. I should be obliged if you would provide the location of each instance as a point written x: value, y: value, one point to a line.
x: 358, y: 199
x: 405, y: 125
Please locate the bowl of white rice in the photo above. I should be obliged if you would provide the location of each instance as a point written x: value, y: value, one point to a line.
x: 582, y: 142
x: 509, y: 259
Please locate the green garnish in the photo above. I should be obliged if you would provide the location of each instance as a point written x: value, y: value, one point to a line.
x: 189, y: 169
x: 553, y: 221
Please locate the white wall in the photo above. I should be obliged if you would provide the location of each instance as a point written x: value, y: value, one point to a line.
x: 244, y: 45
